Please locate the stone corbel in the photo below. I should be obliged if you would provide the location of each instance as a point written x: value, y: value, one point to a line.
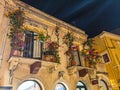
x: 13, y: 64
x: 92, y: 74
x: 51, y: 69
x: 72, y: 70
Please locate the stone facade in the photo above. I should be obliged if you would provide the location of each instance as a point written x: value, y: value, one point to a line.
x: 15, y: 70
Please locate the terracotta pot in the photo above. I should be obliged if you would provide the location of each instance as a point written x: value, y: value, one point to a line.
x: 16, y: 53
x: 73, y: 62
x: 87, y: 63
x: 50, y: 58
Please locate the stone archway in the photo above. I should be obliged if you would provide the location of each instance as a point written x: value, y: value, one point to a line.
x: 103, y: 85
x: 34, y: 80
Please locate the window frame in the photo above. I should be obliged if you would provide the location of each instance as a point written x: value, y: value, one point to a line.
x: 30, y: 50
x: 84, y: 86
x: 62, y: 85
x: 40, y: 86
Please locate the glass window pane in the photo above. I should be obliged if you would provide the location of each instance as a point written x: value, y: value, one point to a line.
x: 80, y: 86
x: 29, y: 85
x: 60, y: 87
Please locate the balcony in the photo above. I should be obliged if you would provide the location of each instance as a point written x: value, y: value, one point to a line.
x: 33, y: 64
x: 29, y: 45
x: 81, y: 70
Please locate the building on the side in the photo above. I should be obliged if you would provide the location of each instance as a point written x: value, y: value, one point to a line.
x: 108, y: 44
x: 36, y: 47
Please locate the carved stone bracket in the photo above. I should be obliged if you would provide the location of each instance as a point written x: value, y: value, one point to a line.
x: 13, y: 64
x: 92, y: 74
x: 72, y: 70
x: 105, y: 73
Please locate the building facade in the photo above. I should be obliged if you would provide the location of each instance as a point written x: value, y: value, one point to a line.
x: 109, y: 46
x: 39, y: 49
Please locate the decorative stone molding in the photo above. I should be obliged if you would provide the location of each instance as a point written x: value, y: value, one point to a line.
x: 49, y: 18
x: 92, y: 74
x: 50, y: 66
x: 105, y: 73
x: 72, y: 70
x: 13, y: 64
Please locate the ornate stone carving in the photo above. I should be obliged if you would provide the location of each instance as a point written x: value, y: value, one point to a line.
x: 12, y: 67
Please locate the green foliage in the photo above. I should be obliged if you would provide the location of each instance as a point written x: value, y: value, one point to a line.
x: 89, y: 53
x: 16, y: 19
x: 89, y: 43
x: 42, y: 37
x: 16, y: 28
x: 68, y: 39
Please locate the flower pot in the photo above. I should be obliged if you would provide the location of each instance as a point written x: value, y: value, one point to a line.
x: 87, y: 63
x: 16, y: 53
x: 73, y: 62
x: 50, y: 58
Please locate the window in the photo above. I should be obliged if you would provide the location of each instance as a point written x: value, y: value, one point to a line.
x: 77, y: 57
x: 60, y: 86
x: 106, y: 58
x: 33, y: 47
x: 81, y: 86
x: 30, y: 85
x: 103, y: 85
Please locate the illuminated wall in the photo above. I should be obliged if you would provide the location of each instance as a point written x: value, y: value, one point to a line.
x: 108, y: 45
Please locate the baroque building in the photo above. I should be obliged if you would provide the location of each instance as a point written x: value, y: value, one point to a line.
x: 109, y: 47
x: 38, y: 51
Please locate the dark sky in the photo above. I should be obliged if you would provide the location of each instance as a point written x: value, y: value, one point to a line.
x: 93, y: 16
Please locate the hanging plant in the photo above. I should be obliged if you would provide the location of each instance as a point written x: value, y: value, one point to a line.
x: 68, y: 39
x: 16, y: 29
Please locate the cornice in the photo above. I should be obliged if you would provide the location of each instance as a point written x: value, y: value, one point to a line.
x: 40, y: 14
x: 108, y: 34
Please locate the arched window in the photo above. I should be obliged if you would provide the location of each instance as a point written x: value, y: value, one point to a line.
x: 81, y: 86
x: 103, y: 85
x: 30, y: 85
x: 60, y: 86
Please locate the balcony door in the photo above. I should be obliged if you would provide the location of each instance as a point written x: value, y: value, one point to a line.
x: 33, y: 46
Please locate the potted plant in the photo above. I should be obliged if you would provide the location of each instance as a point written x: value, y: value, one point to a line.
x: 16, y: 31
x: 89, y: 53
x: 51, y: 51
x: 68, y: 40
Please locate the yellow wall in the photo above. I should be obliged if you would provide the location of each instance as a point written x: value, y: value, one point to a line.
x: 108, y: 42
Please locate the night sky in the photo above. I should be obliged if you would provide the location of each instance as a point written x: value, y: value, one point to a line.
x: 93, y: 16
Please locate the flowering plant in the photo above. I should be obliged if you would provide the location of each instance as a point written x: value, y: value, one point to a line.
x: 89, y: 53
x: 16, y: 29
